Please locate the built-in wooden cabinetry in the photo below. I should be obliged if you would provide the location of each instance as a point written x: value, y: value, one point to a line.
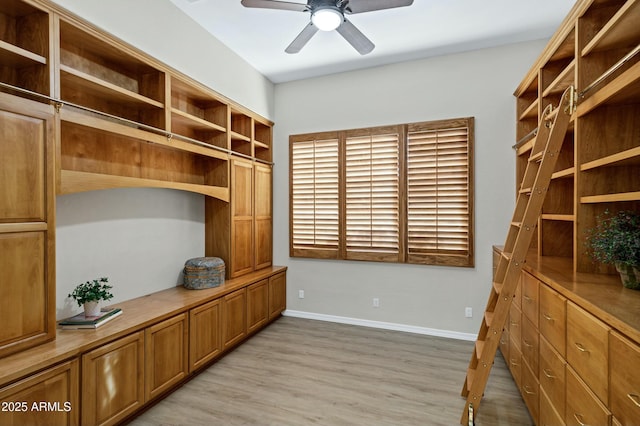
x: 81, y: 111
x: 587, y: 330
x: 27, y: 224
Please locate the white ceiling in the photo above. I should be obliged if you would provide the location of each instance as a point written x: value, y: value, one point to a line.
x: 426, y: 28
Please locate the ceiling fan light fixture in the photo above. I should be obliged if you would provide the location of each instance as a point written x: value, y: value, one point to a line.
x: 327, y: 19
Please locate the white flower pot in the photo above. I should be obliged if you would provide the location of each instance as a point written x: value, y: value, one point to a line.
x: 92, y: 308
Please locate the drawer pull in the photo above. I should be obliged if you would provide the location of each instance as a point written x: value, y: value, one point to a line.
x: 514, y: 363
x: 578, y: 418
x: 548, y: 374
x: 528, y: 390
x: 548, y: 317
x: 581, y: 348
x: 513, y: 323
x: 526, y: 298
x: 527, y: 344
x: 634, y: 398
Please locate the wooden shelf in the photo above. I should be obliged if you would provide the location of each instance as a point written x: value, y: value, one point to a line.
x: 235, y: 136
x: 611, y: 198
x: 194, y: 122
x: 624, y: 88
x: 262, y: 145
x: 625, y: 158
x: 565, y: 79
x: 14, y: 56
x: 622, y: 30
x: 73, y: 181
x: 531, y: 111
x: 566, y: 173
x: 94, y: 86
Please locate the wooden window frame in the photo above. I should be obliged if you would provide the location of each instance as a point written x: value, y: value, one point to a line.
x: 455, y: 253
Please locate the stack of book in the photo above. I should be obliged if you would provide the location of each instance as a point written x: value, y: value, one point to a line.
x: 81, y: 321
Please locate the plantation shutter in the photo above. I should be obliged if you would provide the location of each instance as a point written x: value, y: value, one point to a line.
x: 439, y: 193
x: 371, y: 194
x: 314, y: 196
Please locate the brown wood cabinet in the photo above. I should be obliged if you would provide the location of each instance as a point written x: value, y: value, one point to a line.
x: 625, y: 379
x: 234, y: 318
x: 277, y: 295
x: 166, y: 355
x: 257, y: 305
x: 27, y: 224
x: 205, y: 331
x: 263, y: 212
x: 113, y: 381
x: 49, y: 398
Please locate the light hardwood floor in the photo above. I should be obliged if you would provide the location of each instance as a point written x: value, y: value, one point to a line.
x: 303, y: 372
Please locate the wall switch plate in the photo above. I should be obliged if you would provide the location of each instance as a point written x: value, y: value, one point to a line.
x: 468, y: 312
x: 376, y: 302
x: 300, y: 294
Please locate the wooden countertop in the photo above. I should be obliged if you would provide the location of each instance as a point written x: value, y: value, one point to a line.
x: 602, y: 295
x: 137, y: 314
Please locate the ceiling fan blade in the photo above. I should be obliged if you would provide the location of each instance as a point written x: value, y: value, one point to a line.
x: 360, y: 6
x: 302, y: 38
x: 355, y: 38
x: 275, y: 4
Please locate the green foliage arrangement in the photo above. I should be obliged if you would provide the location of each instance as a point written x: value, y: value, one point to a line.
x: 616, y: 239
x: 92, y: 290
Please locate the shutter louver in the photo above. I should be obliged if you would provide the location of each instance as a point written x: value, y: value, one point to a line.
x: 314, y: 195
x: 371, y: 197
x: 438, y: 193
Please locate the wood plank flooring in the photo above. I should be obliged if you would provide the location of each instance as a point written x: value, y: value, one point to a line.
x: 303, y: 372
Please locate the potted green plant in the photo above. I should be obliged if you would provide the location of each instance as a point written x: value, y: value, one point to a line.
x: 90, y: 294
x: 616, y: 240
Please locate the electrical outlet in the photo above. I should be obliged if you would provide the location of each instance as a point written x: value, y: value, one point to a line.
x: 300, y: 294
x: 376, y: 302
x: 468, y: 312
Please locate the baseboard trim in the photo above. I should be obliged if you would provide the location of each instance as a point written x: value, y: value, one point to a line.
x: 382, y: 325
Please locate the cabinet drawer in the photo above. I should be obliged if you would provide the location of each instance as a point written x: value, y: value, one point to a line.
x: 552, y: 375
x: 549, y: 416
x: 530, y: 297
x: 625, y: 379
x: 515, y: 362
x: 587, y: 349
x: 583, y: 406
x: 515, y: 325
x: 531, y: 392
x: 553, y: 318
x: 529, y: 345
x: 504, y: 345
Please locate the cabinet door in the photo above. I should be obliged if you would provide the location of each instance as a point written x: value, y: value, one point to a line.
x: 625, y: 379
x: 166, y: 355
x: 113, y: 381
x: 257, y: 305
x: 234, y: 317
x: 205, y: 341
x: 241, y: 218
x: 262, y: 216
x: 27, y: 248
x: 277, y: 294
x: 49, y: 398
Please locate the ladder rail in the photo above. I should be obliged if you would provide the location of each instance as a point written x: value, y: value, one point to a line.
x: 531, y: 196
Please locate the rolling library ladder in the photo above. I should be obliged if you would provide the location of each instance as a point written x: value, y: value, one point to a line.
x: 551, y: 132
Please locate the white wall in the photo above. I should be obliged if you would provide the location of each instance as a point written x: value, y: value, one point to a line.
x: 163, y: 31
x: 479, y: 84
x: 140, y: 238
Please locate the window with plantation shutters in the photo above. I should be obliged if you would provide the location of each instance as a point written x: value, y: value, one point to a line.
x: 371, y: 194
x: 314, y: 197
x: 439, y: 193
x: 394, y: 194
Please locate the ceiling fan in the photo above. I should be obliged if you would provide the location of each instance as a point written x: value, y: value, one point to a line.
x: 328, y: 15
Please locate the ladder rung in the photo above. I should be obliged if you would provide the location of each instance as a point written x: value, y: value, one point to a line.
x: 536, y: 157
x: 479, y: 348
x: 497, y: 287
x: 488, y: 318
x: 526, y: 191
x: 517, y: 224
x: 552, y: 114
x: 506, y: 255
x: 471, y: 372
